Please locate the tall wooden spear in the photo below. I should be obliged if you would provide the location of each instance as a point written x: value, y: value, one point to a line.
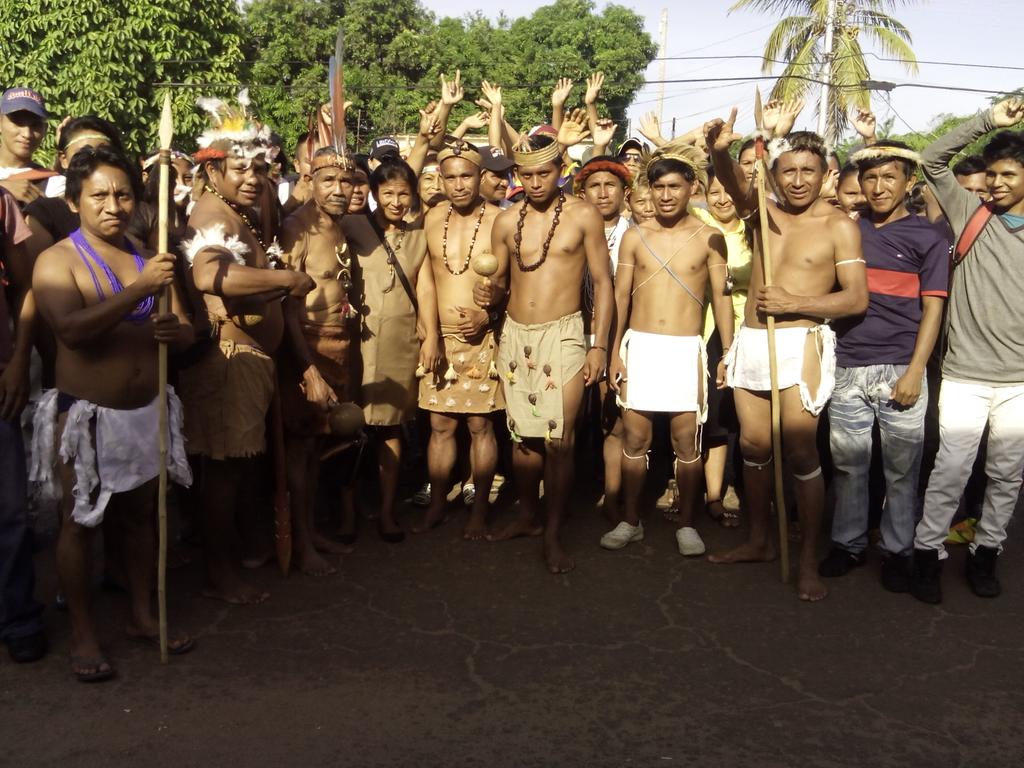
x: 760, y: 176
x: 166, y: 132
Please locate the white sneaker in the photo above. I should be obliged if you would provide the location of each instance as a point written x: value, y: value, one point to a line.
x: 622, y: 534
x: 689, y: 541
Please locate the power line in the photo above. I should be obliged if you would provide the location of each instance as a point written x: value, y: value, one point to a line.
x: 376, y: 87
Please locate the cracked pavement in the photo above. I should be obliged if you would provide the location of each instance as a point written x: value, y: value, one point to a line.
x: 439, y: 652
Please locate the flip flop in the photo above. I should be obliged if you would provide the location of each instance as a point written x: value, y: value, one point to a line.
x: 181, y: 649
x: 79, y: 663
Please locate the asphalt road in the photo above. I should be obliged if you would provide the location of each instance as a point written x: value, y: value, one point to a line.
x: 437, y: 652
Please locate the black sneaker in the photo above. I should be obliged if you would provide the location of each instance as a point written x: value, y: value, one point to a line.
x: 896, y: 573
x: 926, y: 576
x: 981, y: 572
x: 839, y: 562
x: 25, y: 650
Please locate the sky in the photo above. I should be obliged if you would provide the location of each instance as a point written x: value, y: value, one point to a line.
x: 941, y: 30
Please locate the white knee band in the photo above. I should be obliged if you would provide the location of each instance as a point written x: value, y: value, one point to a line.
x: 646, y: 456
x: 755, y: 465
x: 694, y: 460
x: 809, y: 476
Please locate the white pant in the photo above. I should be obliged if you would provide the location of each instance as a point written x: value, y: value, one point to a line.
x: 964, y: 409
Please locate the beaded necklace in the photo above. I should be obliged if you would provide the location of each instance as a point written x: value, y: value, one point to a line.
x: 472, y: 242
x: 85, y: 250
x: 518, y: 239
x: 241, y: 214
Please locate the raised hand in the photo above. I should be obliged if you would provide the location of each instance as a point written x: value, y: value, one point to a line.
x: 491, y: 95
x: 327, y: 111
x: 603, y: 132
x: 572, y: 130
x: 429, y: 122
x: 864, y: 123
x: 650, y: 128
x: 594, y: 83
x: 770, y: 116
x: 788, y: 112
x: 451, y: 91
x: 477, y: 120
x: 1008, y: 112
x: 561, y: 92
x: 719, y: 133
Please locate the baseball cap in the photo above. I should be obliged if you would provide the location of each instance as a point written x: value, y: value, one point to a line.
x: 21, y: 99
x: 544, y: 130
x: 631, y: 143
x: 495, y: 160
x: 383, y: 147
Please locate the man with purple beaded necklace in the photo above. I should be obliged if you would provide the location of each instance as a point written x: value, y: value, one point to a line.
x: 97, y: 293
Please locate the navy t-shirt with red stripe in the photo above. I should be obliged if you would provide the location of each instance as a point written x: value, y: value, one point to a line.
x: 905, y: 259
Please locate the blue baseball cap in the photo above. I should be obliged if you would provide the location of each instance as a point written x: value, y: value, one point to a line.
x: 20, y: 99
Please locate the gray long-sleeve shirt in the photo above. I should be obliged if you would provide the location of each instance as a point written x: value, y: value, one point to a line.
x: 986, y: 301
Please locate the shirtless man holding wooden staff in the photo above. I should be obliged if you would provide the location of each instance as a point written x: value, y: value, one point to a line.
x: 816, y: 248
x: 542, y: 244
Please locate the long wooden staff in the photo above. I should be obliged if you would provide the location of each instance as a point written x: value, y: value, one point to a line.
x: 760, y: 175
x: 166, y: 132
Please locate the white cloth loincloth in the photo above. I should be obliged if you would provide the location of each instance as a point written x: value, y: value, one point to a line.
x: 665, y: 373
x: 126, y: 453
x: 747, y: 362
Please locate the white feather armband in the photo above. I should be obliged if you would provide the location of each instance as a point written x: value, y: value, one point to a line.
x: 214, y: 236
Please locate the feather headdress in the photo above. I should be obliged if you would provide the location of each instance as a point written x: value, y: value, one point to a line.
x: 878, y: 151
x: 680, y: 150
x: 233, y: 132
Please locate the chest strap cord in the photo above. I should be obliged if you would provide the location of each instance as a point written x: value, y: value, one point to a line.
x: 665, y: 266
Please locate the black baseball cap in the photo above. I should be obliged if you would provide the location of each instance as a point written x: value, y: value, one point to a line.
x: 495, y: 160
x: 383, y: 147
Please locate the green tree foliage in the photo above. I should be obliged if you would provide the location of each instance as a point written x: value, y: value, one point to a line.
x: 395, y: 52
x: 798, y: 40
x: 107, y: 57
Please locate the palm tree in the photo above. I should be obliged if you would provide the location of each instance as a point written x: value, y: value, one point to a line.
x: 798, y: 40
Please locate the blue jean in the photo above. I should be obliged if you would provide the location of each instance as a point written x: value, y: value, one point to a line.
x: 20, y: 614
x: 862, y: 396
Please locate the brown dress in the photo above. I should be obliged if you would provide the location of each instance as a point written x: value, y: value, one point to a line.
x: 388, y: 346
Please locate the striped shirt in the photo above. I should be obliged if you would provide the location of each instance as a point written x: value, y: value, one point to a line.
x: 906, y: 259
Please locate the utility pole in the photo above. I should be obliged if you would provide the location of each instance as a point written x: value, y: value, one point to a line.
x: 662, y: 53
x: 826, y: 75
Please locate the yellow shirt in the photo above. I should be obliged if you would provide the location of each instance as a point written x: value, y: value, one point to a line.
x: 740, y: 261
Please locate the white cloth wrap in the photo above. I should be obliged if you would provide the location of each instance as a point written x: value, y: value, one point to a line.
x: 747, y: 362
x: 214, y: 236
x: 665, y: 373
x: 125, y: 455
